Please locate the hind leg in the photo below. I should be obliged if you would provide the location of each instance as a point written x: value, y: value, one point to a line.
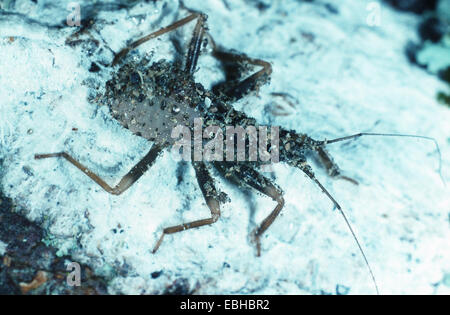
x: 126, y: 182
x: 244, y: 175
x: 212, y: 198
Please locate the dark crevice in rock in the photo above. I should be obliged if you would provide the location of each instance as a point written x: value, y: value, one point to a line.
x: 28, y: 266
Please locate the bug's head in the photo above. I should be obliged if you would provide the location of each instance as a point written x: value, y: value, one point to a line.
x: 294, y: 147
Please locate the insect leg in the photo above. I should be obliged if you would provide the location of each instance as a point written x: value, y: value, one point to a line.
x: 332, y: 168
x: 279, y: 110
x: 129, y: 179
x: 235, y: 64
x: 196, y: 44
x: 160, y: 32
x: 245, y: 175
x: 212, y: 198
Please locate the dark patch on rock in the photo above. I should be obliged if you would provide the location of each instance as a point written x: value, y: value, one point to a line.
x: 415, y: 6
x: 411, y: 51
x: 444, y: 97
x: 94, y: 67
x: 331, y: 8
x: 432, y: 29
x: 178, y: 287
x: 342, y: 289
x: 156, y: 274
x: 445, y: 75
x: 28, y: 266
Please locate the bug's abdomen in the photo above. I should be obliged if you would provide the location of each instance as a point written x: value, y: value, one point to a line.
x: 152, y: 101
x: 153, y: 118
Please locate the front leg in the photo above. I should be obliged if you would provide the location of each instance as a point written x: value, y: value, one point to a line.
x: 332, y: 168
x: 121, y: 54
x: 235, y: 64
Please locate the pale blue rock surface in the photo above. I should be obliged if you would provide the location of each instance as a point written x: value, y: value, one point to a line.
x: 346, y: 75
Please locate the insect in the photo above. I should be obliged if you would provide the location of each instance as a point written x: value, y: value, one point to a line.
x: 152, y: 98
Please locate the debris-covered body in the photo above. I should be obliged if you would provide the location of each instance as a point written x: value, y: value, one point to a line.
x: 151, y: 98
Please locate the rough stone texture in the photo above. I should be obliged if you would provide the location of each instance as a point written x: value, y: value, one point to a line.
x: 28, y: 266
x: 345, y: 76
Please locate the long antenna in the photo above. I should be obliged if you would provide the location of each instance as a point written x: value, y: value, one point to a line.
x: 336, y: 204
x: 355, y: 136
